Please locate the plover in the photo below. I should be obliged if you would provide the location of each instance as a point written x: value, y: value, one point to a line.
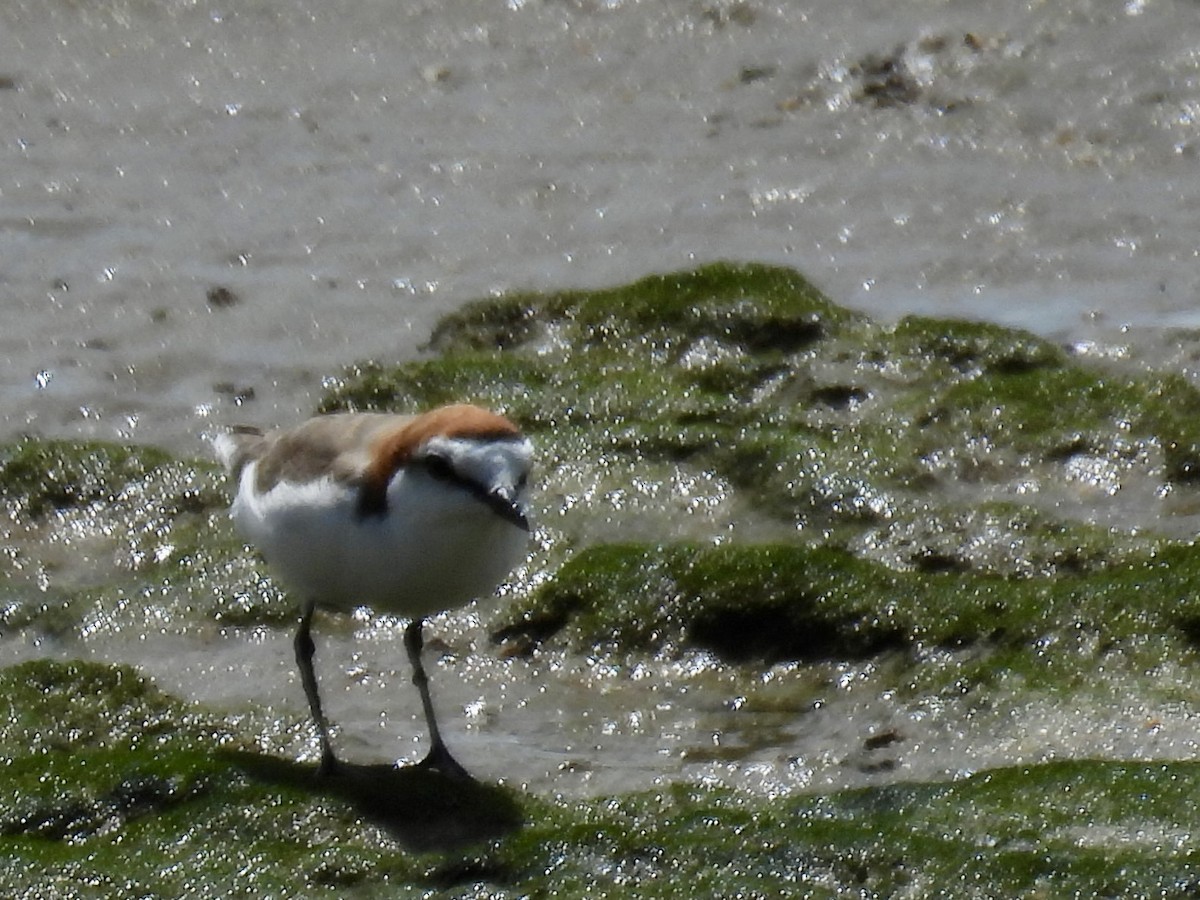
x: 409, y: 515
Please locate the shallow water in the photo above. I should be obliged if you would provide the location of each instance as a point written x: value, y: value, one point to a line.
x: 349, y: 171
x: 574, y: 726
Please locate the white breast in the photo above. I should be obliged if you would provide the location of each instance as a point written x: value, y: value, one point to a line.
x: 436, y: 548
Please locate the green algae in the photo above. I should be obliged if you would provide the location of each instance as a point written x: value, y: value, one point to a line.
x: 884, y: 444
x: 857, y: 481
x: 99, y: 534
x: 115, y: 786
x: 107, y: 806
x: 759, y: 307
x: 877, y: 451
x: 820, y: 419
x: 610, y: 358
x: 37, y: 477
x: 793, y: 602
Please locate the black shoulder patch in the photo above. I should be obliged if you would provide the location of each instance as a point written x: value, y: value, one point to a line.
x: 372, y: 500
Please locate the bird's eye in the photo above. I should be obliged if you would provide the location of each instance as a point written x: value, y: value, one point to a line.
x: 523, y: 480
x: 439, y: 467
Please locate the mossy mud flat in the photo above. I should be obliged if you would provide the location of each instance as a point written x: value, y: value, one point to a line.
x: 817, y: 606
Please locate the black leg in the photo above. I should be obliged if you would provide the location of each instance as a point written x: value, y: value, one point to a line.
x: 304, y: 657
x: 438, y: 757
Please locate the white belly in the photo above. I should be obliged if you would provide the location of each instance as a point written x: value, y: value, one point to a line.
x: 436, y: 548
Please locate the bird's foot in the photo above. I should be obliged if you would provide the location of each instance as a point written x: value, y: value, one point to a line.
x: 440, y: 760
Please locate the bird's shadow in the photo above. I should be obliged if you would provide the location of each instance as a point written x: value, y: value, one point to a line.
x: 420, y: 807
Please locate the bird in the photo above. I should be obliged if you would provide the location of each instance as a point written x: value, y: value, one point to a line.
x: 405, y: 514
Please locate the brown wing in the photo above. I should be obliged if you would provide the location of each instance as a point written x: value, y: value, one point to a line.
x: 337, y: 445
